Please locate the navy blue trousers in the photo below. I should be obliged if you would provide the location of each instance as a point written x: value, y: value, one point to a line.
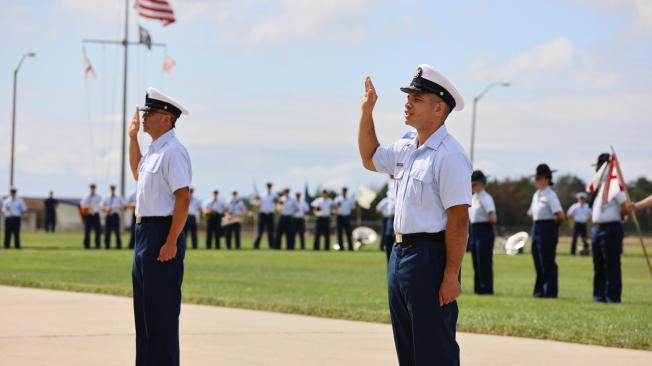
x: 343, y: 225
x: 214, y: 229
x: 482, y: 250
x: 387, y: 236
x: 545, y: 236
x: 265, y: 220
x: 92, y: 223
x: 607, y: 248
x: 299, y: 228
x: 424, y: 332
x: 579, y: 230
x: 322, y: 228
x: 12, y: 228
x: 112, y: 226
x: 191, y: 226
x: 50, y: 221
x: 157, y: 296
x: 231, y: 231
x: 132, y: 237
x: 285, y: 228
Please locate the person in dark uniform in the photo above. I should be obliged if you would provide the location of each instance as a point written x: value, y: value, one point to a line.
x: 90, y: 209
x: 266, y: 207
x: 323, y: 208
x: 299, y: 221
x: 344, y: 205
x: 580, y: 212
x: 131, y: 206
x: 162, y: 200
x: 547, y: 213
x: 386, y: 207
x: 234, y: 214
x: 112, y: 206
x: 284, y: 227
x: 609, y: 208
x: 193, y: 216
x: 50, y: 205
x: 13, y: 207
x: 482, y: 215
x: 433, y: 178
x: 213, y: 212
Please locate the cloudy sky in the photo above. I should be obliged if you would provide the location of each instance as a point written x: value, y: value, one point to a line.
x: 273, y: 86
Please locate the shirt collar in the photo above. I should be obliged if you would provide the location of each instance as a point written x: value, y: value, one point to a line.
x: 434, y: 140
x: 162, y: 140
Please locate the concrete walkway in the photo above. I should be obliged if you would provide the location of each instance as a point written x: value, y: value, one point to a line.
x: 44, y: 327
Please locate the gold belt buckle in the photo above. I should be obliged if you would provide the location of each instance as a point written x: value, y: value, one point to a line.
x: 399, y: 238
x: 139, y: 219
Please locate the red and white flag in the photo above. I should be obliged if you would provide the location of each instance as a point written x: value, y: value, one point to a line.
x: 88, y: 68
x: 606, y: 181
x: 169, y: 64
x: 156, y: 9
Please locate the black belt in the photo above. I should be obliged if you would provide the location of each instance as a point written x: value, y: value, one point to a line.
x: 404, y: 239
x: 486, y: 223
x: 153, y: 219
x: 544, y: 221
x: 602, y: 225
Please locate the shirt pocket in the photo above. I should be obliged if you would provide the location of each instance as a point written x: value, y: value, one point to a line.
x: 420, y: 190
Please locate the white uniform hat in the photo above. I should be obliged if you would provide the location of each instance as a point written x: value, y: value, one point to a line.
x: 428, y: 80
x: 154, y: 100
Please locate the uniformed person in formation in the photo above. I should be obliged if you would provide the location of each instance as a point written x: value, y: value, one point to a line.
x: 13, y: 208
x: 193, y: 216
x: 482, y: 215
x: 50, y: 205
x: 547, y: 213
x: 266, y: 206
x: 289, y: 205
x: 131, y: 206
x: 213, y: 212
x: 580, y: 213
x: 323, y: 208
x: 90, y: 209
x: 234, y: 213
x: 433, y: 178
x: 343, y: 206
x: 299, y: 221
x: 162, y: 201
x: 386, y: 208
x: 607, y: 242
x: 112, y: 206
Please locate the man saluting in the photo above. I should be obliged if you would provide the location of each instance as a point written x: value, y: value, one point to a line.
x: 433, y: 193
x: 162, y: 201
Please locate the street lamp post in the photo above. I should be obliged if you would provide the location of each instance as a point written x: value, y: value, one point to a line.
x: 13, y: 119
x: 475, y: 103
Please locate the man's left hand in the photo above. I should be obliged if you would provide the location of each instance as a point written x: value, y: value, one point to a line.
x: 168, y: 252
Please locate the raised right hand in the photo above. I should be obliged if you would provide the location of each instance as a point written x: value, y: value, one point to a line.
x: 370, y: 96
x: 135, y: 125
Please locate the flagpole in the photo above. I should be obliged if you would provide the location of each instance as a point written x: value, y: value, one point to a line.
x: 634, y: 217
x: 125, y: 44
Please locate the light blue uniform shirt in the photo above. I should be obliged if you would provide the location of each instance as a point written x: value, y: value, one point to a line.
x: 13, y: 207
x: 95, y: 202
x: 610, y: 211
x: 164, y: 169
x: 302, y: 208
x: 115, y: 203
x: 195, y: 205
x: 289, y: 206
x: 268, y: 203
x: 545, y: 204
x: 580, y: 213
x: 235, y: 207
x: 344, y: 205
x: 482, y: 204
x: 215, y: 204
x: 325, y: 206
x: 429, y: 179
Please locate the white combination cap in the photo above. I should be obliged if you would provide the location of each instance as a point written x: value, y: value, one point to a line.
x: 428, y: 80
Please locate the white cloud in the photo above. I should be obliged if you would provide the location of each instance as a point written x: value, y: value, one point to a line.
x: 640, y: 11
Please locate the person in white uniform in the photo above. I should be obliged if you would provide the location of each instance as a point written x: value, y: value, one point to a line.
x: 90, y: 207
x: 235, y: 211
x: 343, y: 206
x: 194, y: 212
x: 482, y: 215
x: 13, y: 208
x: 299, y: 220
x: 386, y: 208
x: 284, y: 227
x: 547, y: 213
x: 580, y: 213
x: 607, y: 239
x: 323, y: 208
x: 433, y: 193
x: 112, y: 206
x: 266, y: 207
x: 164, y: 175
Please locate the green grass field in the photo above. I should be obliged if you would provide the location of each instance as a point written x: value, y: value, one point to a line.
x: 353, y: 286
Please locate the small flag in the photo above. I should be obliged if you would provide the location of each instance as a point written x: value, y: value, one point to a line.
x: 169, y: 64
x: 606, y: 181
x: 365, y: 196
x: 306, y: 195
x: 156, y: 9
x: 88, y: 68
x: 145, y: 38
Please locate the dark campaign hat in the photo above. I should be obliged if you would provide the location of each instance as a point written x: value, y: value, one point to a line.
x: 428, y: 80
x: 602, y: 158
x: 543, y: 170
x: 155, y: 100
x: 478, y: 176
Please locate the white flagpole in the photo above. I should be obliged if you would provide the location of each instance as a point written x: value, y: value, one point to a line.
x: 638, y: 227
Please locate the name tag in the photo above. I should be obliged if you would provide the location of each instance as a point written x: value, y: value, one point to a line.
x: 399, y: 164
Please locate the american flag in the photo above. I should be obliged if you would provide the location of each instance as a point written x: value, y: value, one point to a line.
x: 606, y: 181
x: 156, y: 9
